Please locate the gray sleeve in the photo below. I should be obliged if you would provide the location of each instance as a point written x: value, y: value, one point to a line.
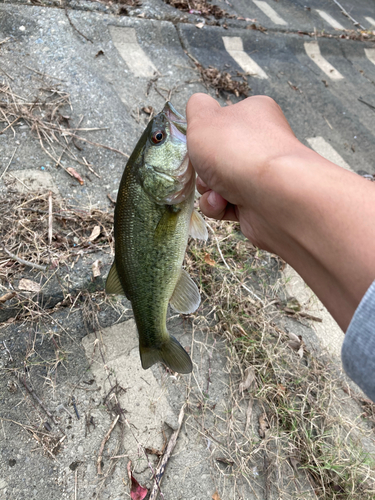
x: 358, y: 350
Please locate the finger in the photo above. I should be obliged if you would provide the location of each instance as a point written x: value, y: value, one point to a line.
x: 199, y: 105
x: 215, y: 206
x: 201, y: 186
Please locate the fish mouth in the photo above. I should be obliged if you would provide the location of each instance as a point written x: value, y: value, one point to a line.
x: 176, y: 121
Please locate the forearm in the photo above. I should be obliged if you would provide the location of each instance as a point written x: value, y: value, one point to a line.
x: 289, y: 200
x: 320, y: 219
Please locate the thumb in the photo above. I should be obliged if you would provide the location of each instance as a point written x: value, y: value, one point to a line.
x: 213, y: 205
x: 199, y: 106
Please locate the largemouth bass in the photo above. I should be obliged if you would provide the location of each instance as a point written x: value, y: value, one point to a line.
x: 154, y: 216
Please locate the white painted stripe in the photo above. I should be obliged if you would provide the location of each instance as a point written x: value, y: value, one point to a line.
x: 330, y: 20
x: 270, y: 12
x: 125, y: 41
x: 313, y: 51
x: 234, y: 46
x: 323, y: 148
x: 370, y: 54
x: 370, y: 20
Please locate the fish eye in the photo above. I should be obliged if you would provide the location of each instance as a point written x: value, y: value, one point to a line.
x: 158, y: 136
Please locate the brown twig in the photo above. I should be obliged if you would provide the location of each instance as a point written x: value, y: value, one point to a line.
x: 101, y: 449
x: 73, y: 26
x: 21, y: 261
x: 10, y: 161
x: 367, y: 103
x: 43, y: 74
x: 346, y: 13
x: 161, y: 469
x: 31, y: 391
x: 90, y: 167
x: 50, y: 218
x: 97, y: 144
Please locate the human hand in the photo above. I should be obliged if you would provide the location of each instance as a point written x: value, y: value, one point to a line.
x: 231, y: 149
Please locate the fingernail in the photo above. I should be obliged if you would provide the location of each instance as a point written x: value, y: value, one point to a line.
x: 201, y: 183
x: 212, y: 199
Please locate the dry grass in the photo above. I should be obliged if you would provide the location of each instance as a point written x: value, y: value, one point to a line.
x: 285, y: 419
x: 48, y: 115
x: 27, y: 222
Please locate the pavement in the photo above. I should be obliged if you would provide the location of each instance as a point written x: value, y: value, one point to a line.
x: 107, y: 62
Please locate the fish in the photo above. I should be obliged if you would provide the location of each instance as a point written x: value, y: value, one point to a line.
x: 154, y: 216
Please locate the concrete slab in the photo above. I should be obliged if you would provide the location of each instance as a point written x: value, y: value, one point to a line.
x: 313, y: 104
x: 30, y: 180
x: 88, y: 58
x: 328, y: 331
x: 103, y: 89
x: 144, y: 401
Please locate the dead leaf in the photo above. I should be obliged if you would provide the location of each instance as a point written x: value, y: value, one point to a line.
x: 137, y: 492
x: 28, y: 285
x: 208, y: 260
x: 7, y: 296
x: 200, y: 25
x: 95, y: 268
x: 222, y: 81
x: 255, y: 27
x: 248, y: 379
x: 216, y: 496
x: 294, y: 342
x: 148, y: 110
x: 95, y: 233
x: 201, y: 7
x: 75, y: 174
x: 263, y: 425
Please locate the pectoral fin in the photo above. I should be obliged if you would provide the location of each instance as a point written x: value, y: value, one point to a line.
x: 198, y: 228
x: 186, y: 297
x: 113, y: 283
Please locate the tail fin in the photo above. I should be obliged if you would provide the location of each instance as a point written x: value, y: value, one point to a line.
x: 170, y: 353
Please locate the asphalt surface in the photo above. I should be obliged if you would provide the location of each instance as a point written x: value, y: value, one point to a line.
x: 112, y: 61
